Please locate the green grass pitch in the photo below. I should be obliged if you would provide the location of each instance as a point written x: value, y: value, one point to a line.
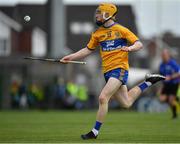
x: 67, y: 126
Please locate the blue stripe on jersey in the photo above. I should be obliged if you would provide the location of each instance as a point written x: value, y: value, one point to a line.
x: 113, y: 44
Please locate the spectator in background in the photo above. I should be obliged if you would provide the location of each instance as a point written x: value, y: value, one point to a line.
x: 72, y: 89
x: 23, y: 102
x: 82, y: 97
x: 170, y: 68
x: 35, y: 96
x: 14, y: 91
x: 59, y: 92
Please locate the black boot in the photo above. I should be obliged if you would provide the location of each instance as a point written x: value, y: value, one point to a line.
x: 89, y: 135
x: 153, y: 78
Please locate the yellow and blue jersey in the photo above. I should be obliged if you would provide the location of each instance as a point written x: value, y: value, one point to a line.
x: 111, y: 40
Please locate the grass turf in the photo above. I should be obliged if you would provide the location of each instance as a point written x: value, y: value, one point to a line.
x: 67, y: 126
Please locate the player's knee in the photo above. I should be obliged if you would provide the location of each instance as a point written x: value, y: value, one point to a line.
x: 162, y: 98
x: 103, y: 99
x: 127, y: 104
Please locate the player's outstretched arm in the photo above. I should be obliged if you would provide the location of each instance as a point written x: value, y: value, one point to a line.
x: 173, y: 76
x: 77, y: 55
x: 135, y: 47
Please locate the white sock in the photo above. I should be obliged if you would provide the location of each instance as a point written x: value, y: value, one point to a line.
x: 95, y: 131
x: 148, y: 83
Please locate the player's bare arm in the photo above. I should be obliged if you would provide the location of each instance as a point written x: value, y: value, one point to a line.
x: 77, y: 55
x: 174, y: 76
x: 135, y: 47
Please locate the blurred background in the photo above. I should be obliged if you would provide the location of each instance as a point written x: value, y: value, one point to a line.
x: 60, y: 27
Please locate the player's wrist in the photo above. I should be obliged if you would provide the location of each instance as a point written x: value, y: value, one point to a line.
x: 171, y: 77
x: 130, y: 49
x: 73, y: 56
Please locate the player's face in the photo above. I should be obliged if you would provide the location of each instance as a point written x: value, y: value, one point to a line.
x: 165, y: 55
x: 99, y: 17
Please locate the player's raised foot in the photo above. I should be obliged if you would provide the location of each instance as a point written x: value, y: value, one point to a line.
x: 153, y: 78
x: 89, y: 135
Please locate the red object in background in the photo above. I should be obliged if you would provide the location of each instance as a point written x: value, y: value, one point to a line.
x: 21, y: 42
x: 25, y: 43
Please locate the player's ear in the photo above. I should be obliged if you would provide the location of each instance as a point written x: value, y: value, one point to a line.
x: 106, y: 15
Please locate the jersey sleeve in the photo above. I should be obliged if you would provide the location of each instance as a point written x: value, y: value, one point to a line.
x: 93, y: 42
x: 130, y: 36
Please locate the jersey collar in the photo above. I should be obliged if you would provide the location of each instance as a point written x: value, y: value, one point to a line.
x: 110, y: 25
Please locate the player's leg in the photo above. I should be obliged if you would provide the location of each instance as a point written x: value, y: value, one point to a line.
x: 110, y: 89
x: 113, y: 84
x: 173, y: 104
x: 167, y: 94
x: 172, y: 100
x: 162, y: 94
x: 163, y: 98
x: 127, y: 98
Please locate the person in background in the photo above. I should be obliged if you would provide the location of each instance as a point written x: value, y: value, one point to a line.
x: 171, y: 70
